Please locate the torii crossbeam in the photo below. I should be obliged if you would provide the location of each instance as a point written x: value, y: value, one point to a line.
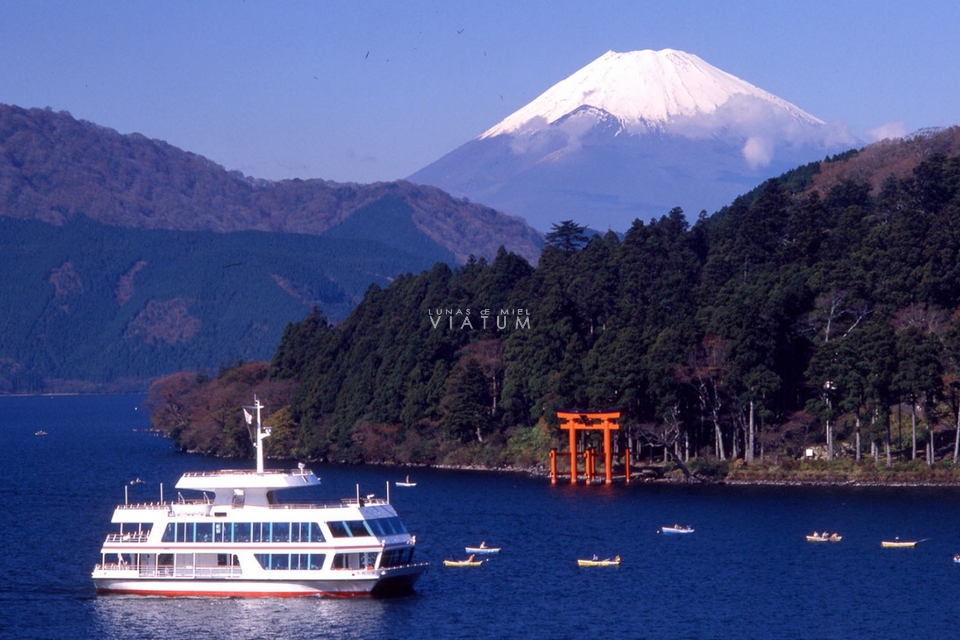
x: 605, y: 421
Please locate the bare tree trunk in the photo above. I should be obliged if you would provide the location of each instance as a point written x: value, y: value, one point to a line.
x: 829, y: 440
x: 913, y: 427
x: 858, y: 438
x: 956, y: 442
x: 718, y: 441
x: 748, y: 453
x: 889, y: 456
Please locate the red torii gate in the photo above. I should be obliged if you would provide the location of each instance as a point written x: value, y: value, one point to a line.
x: 574, y: 421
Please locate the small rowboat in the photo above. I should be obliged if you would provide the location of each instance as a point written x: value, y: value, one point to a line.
x: 898, y: 544
x: 406, y: 483
x: 469, y: 562
x: 676, y: 529
x: 824, y: 537
x: 956, y: 558
x: 483, y: 548
x: 599, y: 563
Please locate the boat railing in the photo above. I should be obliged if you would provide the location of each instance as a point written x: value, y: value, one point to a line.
x: 213, y: 473
x: 128, y: 537
x: 330, y: 504
x: 168, y: 571
x: 144, y: 505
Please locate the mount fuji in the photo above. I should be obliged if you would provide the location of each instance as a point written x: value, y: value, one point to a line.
x: 632, y: 135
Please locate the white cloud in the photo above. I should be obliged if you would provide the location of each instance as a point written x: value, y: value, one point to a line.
x: 890, y: 130
x: 758, y: 151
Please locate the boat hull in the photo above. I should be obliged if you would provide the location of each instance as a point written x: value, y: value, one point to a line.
x: 598, y: 563
x: 396, y: 581
x: 898, y: 545
x: 486, y: 550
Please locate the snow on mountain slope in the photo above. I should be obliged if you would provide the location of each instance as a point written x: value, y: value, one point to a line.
x: 644, y: 90
x: 632, y: 135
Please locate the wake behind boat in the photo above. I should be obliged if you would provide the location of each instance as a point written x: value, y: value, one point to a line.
x: 897, y: 543
x: 242, y: 542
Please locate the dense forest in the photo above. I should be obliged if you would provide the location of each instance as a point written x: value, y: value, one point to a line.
x: 788, y: 324
x: 104, y: 308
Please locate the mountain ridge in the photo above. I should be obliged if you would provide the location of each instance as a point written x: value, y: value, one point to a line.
x: 53, y: 167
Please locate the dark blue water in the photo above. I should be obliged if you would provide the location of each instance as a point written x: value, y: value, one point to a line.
x: 747, y: 572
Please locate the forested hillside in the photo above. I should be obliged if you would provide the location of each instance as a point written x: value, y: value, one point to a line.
x: 54, y: 168
x: 126, y: 258
x: 786, y: 320
x: 92, y: 307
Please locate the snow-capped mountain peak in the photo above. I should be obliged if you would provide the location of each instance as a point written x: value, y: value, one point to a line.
x: 644, y: 90
x: 633, y: 135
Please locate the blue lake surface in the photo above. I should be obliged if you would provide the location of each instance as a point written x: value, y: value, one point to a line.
x: 747, y: 571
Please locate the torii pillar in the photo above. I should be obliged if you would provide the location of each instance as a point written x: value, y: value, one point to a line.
x: 574, y: 421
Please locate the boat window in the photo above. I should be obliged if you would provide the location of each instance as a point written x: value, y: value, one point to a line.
x: 241, y: 532
x: 185, y: 532
x: 354, y: 560
x: 338, y: 529
x: 170, y: 533
x: 376, y: 527
x: 387, y: 524
x: 261, y: 532
x: 281, y: 532
x: 316, y: 534
x: 290, y: 561
x: 398, y: 525
x: 204, y: 532
x: 358, y: 528
x: 397, y: 557
x: 222, y: 531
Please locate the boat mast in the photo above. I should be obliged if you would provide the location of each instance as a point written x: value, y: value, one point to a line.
x: 261, y: 431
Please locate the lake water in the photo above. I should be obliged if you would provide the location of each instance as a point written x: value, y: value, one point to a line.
x: 747, y: 571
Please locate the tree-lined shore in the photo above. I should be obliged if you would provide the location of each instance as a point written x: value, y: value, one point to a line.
x: 790, y: 328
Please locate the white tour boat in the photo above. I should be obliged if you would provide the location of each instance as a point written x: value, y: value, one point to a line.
x: 243, y: 542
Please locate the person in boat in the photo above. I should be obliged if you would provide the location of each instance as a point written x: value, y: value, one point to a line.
x: 483, y: 544
x: 595, y: 557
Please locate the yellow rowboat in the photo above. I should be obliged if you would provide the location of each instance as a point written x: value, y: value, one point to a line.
x: 469, y: 562
x: 600, y: 563
x: 899, y: 544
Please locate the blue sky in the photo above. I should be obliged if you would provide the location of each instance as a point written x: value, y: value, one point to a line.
x: 365, y: 91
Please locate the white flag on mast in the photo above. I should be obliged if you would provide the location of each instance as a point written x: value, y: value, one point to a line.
x: 248, y: 416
